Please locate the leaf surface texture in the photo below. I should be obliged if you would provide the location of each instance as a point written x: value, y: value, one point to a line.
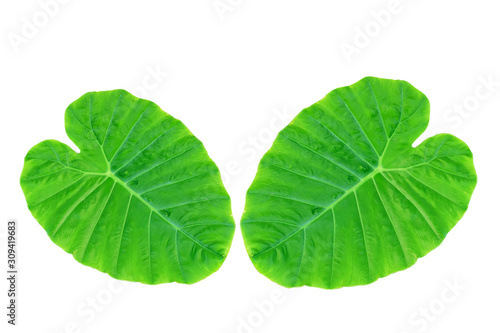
x: 142, y: 201
x: 342, y: 198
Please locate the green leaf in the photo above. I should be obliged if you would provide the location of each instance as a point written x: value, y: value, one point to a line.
x: 142, y: 201
x: 342, y: 198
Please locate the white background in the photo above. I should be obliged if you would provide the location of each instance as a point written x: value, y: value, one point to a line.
x: 229, y: 74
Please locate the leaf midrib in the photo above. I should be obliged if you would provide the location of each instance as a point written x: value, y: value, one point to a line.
x: 110, y: 174
x: 325, y: 210
x: 370, y: 176
x: 153, y: 209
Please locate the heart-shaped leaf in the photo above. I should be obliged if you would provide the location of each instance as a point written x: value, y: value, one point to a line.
x: 142, y: 201
x: 342, y: 198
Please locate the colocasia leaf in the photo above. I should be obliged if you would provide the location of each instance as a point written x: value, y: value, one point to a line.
x: 342, y: 198
x: 142, y: 201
